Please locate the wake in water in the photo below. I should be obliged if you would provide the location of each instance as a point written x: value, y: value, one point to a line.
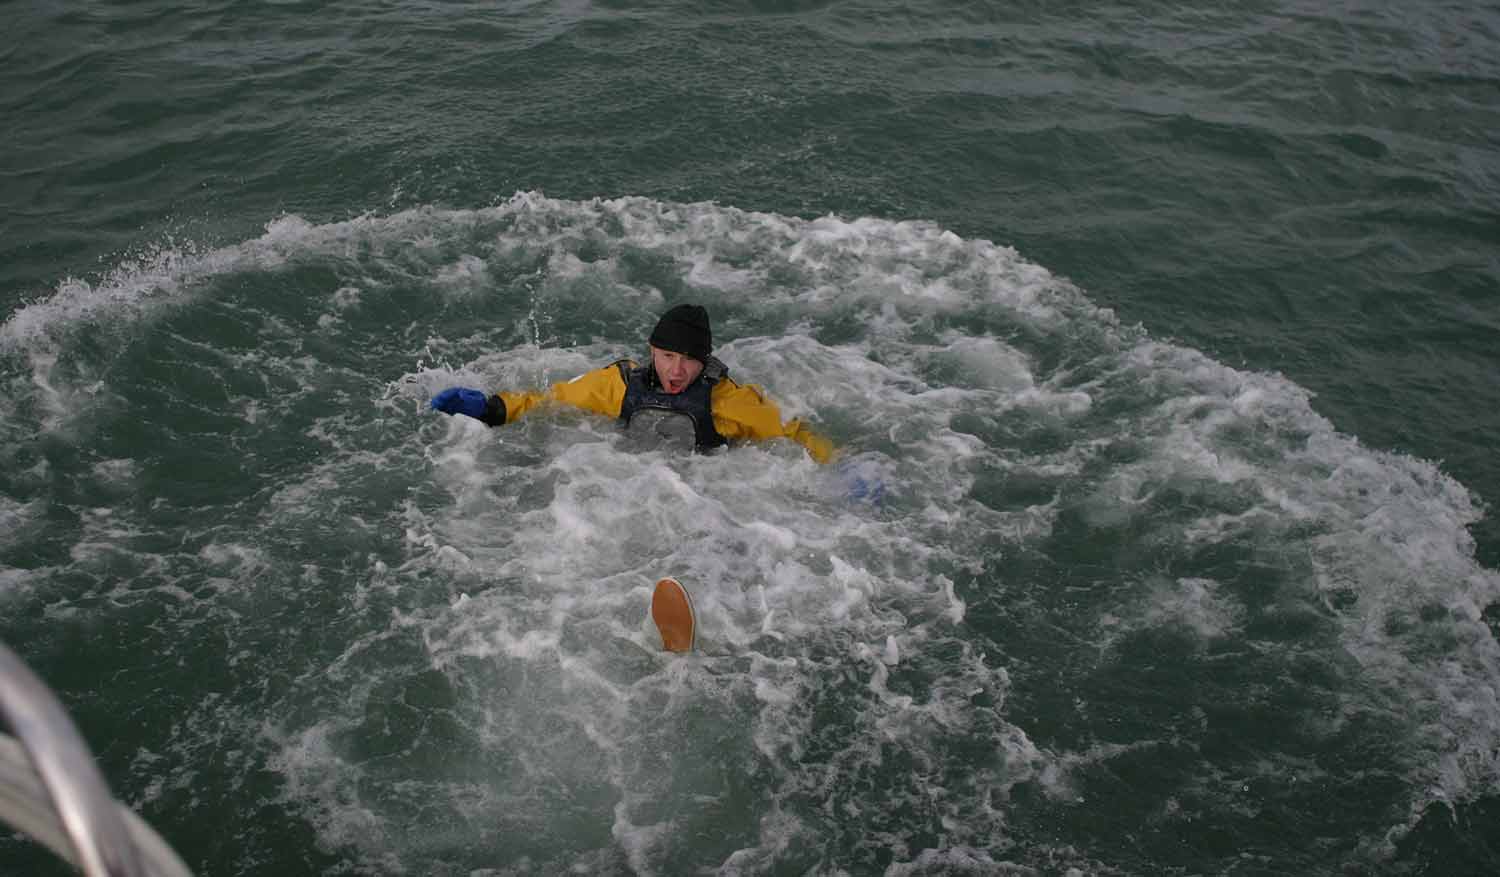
x: 1122, y: 608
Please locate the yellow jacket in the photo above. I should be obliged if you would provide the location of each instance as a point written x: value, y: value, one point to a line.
x: 740, y: 412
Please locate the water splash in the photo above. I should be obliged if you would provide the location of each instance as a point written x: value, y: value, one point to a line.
x: 1099, y: 557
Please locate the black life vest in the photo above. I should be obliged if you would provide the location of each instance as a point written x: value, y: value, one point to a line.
x: 643, y: 391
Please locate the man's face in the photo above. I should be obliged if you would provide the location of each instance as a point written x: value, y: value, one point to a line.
x: 674, y: 370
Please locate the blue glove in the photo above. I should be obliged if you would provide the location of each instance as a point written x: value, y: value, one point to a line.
x: 461, y: 400
x: 862, y: 481
x: 870, y: 489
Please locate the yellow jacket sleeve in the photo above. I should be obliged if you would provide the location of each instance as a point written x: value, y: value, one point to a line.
x: 600, y: 391
x: 743, y: 412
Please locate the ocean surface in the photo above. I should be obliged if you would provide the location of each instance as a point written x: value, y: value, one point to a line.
x: 1171, y: 330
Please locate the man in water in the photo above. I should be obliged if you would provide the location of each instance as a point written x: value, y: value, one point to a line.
x: 683, y: 380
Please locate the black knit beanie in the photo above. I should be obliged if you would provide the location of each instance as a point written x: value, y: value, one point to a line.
x: 684, y: 329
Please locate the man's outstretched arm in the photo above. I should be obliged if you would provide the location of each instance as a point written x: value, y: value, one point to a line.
x: 600, y: 391
x: 742, y: 412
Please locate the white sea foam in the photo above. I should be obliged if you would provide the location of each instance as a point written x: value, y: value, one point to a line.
x: 18, y: 519
x: 489, y: 586
x: 17, y: 582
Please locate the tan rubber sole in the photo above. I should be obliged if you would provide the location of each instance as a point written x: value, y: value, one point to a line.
x: 672, y: 610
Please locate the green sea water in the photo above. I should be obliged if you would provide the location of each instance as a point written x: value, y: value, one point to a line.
x: 1171, y: 331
